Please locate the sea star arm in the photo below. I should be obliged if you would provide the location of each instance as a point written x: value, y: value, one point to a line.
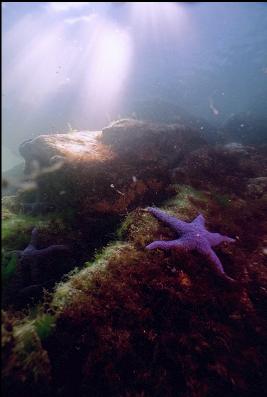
x: 31, y: 247
x: 46, y: 251
x: 199, y: 220
x: 169, y: 220
x: 166, y: 245
x: 215, y: 263
x: 217, y: 238
x: 53, y: 249
x: 34, y: 237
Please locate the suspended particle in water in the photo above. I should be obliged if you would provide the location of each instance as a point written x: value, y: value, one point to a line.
x: 116, y: 190
x: 213, y: 108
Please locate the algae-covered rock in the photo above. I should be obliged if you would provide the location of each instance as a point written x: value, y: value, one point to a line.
x: 48, y: 149
x: 143, y: 141
x: 139, y: 322
x: 134, y: 325
x: 25, y: 278
x: 228, y: 167
x: 26, y: 366
x: 12, y: 178
x: 257, y: 187
x: 157, y: 110
x: 132, y: 319
x: 111, y: 171
x: 134, y: 322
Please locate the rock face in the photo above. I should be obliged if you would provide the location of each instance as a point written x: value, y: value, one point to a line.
x: 156, y: 314
x: 49, y: 149
x: 109, y: 171
x: 257, y: 187
x: 240, y: 169
x: 140, y: 141
x: 156, y: 110
x: 33, y: 275
x: 11, y: 179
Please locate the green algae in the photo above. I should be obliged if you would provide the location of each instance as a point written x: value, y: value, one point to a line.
x: 44, y: 325
x: 79, y: 280
x: 25, y: 362
x: 16, y: 229
x: 8, y: 268
x: 183, y: 202
x: 223, y: 200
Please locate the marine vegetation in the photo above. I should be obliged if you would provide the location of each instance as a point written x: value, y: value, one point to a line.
x: 122, y: 320
x: 137, y: 322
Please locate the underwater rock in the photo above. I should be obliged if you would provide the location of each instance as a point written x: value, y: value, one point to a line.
x: 257, y: 187
x: 12, y: 179
x: 156, y: 316
x: 11, y: 203
x: 56, y: 159
x: 37, y: 208
x: 32, y: 292
x: 156, y: 110
x: 236, y: 147
x: 129, y: 321
x: 224, y: 166
x: 141, y: 141
x: 26, y: 367
x: 112, y: 171
x: 49, y: 149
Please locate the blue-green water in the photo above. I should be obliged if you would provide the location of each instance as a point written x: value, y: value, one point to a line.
x: 85, y: 64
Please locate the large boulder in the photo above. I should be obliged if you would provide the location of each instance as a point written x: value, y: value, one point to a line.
x: 157, y: 110
x: 231, y: 167
x: 110, y: 171
x: 45, y: 150
x: 142, y: 141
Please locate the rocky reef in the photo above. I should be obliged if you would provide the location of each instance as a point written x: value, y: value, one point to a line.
x: 112, y: 318
x: 131, y: 319
x: 81, y: 184
x: 108, y: 172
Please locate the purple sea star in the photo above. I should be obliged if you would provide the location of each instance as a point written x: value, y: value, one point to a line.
x: 32, y: 251
x: 29, y: 281
x: 194, y: 236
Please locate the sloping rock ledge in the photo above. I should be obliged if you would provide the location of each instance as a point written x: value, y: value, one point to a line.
x: 108, y: 171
